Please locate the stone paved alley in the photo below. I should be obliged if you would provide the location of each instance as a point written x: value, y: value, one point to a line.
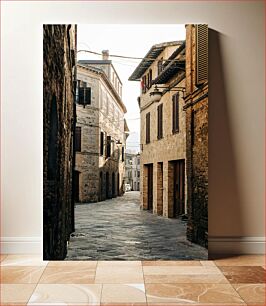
x: 117, y: 229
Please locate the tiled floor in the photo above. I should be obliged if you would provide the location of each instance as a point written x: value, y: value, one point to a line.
x: 27, y: 280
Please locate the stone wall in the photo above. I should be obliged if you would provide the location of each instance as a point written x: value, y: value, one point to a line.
x: 171, y: 147
x: 196, y: 107
x: 59, y: 45
x: 104, y: 114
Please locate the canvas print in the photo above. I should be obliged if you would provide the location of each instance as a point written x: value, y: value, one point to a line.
x: 125, y: 142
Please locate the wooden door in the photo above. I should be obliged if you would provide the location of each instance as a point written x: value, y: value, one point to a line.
x: 179, y: 187
x: 150, y: 187
x: 76, y: 186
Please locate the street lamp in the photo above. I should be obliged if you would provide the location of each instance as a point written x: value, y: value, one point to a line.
x: 156, y: 95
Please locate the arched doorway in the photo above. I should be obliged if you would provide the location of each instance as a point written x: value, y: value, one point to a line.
x: 101, y: 187
x: 113, y: 184
x: 107, y: 186
x: 118, y: 184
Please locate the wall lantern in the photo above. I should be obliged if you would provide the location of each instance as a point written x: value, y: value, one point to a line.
x: 156, y: 95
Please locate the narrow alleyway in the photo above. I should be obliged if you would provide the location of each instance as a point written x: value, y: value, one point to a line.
x: 117, y: 229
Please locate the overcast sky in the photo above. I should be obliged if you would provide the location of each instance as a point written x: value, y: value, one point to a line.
x: 127, y: 40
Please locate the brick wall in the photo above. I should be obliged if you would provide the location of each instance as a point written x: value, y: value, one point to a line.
x: 196, y: 107
x: 59, y: 43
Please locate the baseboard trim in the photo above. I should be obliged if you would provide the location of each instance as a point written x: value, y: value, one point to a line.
x: 217, y: 245
x: 21, y: 245
x: 236, y: 245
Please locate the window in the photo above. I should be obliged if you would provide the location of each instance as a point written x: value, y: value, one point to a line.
x: 144, y: 84
x: 138, y: 173
x: 176, y: 113
x: 78, y: 139
x: 108, y: 147
x: 84, y: 95
x: 149, y: 79
x: 160, y: 66
x: 101, y: 143
x: 148, y: 134
x: 123, y: 154
x: 160, y: 121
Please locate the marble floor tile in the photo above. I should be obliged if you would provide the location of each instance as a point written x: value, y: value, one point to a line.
x: 66, y: 294
x: 183, y: 274
x: 209, y: 263
x: 73, y: 263
x: 180, y: 270
x: 118, y: 274
x: 24, y: 260
x: 192, y: 293
x: 251, y: 293
x: 21, y: 274
x: 126, y: 304
x: 242, y: 260
x: 118, y: 263
x: 16, y: 293
x: 70, y: 275
x: 123, y: 293
x: 171, y: 263
x: 185, y: 279
x: 241, y: 274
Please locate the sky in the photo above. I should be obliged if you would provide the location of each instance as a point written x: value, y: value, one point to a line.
x: 133, y: 40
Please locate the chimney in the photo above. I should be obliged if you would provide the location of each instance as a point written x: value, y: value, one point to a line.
x: 105, y: 55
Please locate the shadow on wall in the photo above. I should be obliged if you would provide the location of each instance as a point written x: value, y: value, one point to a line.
x: 225, y: 216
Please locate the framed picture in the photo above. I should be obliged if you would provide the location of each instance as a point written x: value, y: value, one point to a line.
x: 125, y: 146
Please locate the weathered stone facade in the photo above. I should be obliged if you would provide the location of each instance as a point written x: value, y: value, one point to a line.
x: 196, y: 108
x: 100, y: 162
x: 162, y: 152
x: 132, y: 171
x: 59, y: 46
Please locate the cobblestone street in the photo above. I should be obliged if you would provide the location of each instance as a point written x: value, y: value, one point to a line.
x: 117, y: 229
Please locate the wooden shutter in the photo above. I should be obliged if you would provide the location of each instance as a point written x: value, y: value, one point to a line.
x: 81, y: 95
x: 145, y: 84
x: 160, y: 66
x: 147, y: 127
x: 201, y: 53
x: 101, y: 143
x: 176, y: 113
x: 160, y: 121
x: 78, y: 139
x: 87, y: 99
x: 108, y: 146
x: 123, y: 154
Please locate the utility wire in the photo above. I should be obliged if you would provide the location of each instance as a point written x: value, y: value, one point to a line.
x: 125, y: 57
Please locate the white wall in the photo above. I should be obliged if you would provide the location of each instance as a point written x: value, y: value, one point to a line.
x: 236, y: 109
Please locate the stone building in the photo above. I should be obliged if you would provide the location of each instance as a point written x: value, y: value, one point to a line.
x: 101, y: 131
x: 196, y: 108
x: 163, y: 183
x: 59, y: 46
x: 132, y: 167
